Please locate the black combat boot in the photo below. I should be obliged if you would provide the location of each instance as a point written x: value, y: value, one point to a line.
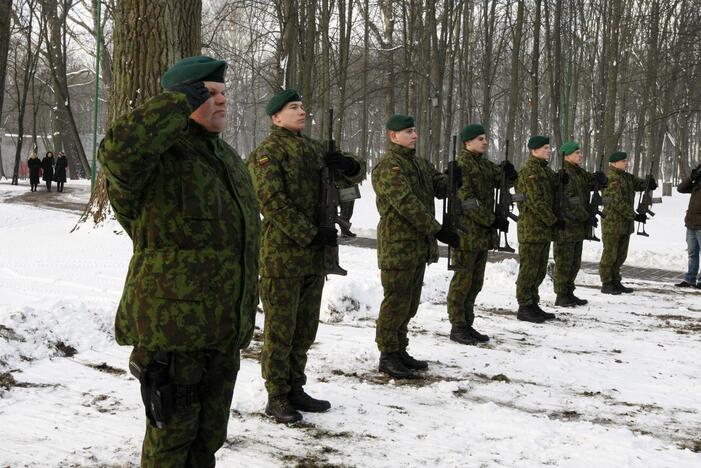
x: 546, y: 315
x: 623, y: 289
x: 301, y: 401
x: 391, y: 363
x: 411, y: 363
x: 462, y: 335
x: 481, y: 338
x: 529, y: 313
x: 578, y: 301
x: 347, y: 233
x: 610, y: 288
x: 565, y: 300
x: 281, y: 410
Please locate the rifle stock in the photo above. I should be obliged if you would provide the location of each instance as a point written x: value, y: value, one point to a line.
x: 503, y: 207
x: 645, y: 201
x: 452, y: 206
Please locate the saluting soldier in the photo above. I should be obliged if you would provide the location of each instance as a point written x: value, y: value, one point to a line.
x: 286, y: 169
x: 567, y: 248
x: 479, y: 177
x: 406, y: 187
x: 186, y: 200
x: 537, y: 221
x: 619, y: 220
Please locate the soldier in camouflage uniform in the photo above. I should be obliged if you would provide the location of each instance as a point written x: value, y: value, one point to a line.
x: 185, y: 199
x: 619, y: 218
x: 479, y: 177
x: 567, y: 248
x: 286, y: 169
x: 537, y: 222
x: 405, y: 186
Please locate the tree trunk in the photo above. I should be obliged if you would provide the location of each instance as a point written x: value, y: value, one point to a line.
x: 514, y: 84
x: 535, y: 70
x: 172, y: 30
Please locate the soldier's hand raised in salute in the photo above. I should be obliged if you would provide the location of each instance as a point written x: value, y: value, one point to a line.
x: 196, y: 93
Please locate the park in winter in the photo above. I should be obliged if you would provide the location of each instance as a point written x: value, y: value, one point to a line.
x: 323, y: 233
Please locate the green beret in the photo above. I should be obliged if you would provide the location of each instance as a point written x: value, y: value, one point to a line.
x: 617, y: 156
x: 470, y: 132
x: 199, y: 68
x: 569, y: 148
x: 399, y: 122
x: 538, y: 141
x: 278, y: 101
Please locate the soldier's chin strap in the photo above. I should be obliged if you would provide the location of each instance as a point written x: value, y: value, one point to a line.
x: 161, y: 397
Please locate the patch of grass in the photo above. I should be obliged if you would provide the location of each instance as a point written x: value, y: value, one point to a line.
x: 63, y: 349
x: 106, y: 368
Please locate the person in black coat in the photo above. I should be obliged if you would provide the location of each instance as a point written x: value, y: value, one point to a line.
x: 60, y: 171
x: 48, y: 165
x: 34, y: 164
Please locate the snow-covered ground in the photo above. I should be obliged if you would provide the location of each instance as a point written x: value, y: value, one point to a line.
x: 615, y: 383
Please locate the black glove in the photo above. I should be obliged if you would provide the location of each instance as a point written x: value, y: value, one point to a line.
x: 652, y: 183
x: 196, y: 93
x: 594, y: 221
x: 564, y: 176
x: 641, y: 217
x: 695, y: 174
x: 337, y: 161
x: 448, y: 237
x: 509, y: 170
x: 501, y: 224
x: 325, y: 236
x: 560, y: 224
x: 601, y: 179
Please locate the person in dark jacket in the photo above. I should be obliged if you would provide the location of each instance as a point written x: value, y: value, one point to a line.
x: 60, y: 171
x: 692, y: 220
x: 48, y: 165
x: 34, y: 164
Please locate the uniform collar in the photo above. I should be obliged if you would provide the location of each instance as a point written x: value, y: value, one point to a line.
x: 196, y: 129
x: 466, y: 152
x: 402, y: 150
x: 282, y: 131
x: 571, y: 165
x: 534, y: 160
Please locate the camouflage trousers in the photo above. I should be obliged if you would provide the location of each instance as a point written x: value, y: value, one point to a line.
x: 568, y: 260
x: 466, y: 284
x: 613, y: 257
x: 402, y: 294
x: 291, y: 307
x: 533, y: 266
x: 196, y: 431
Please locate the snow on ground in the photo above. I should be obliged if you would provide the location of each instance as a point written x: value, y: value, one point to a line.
x: 615, y: 383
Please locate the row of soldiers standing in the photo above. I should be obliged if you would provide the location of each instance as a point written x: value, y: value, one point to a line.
x: 202, y: 258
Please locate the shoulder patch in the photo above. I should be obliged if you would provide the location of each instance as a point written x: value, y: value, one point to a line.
x: 396, y: 169
x: 532, y: 177
x: 263, y: 160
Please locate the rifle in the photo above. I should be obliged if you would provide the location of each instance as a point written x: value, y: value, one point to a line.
x: 331, y: 198
x: 645, y: 201
x: 561, y: 201
x: 595, y: 202
x: 503, y: 205
x: 452, y: 206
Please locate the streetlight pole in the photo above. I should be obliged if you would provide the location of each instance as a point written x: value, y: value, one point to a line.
x: 98, y: 32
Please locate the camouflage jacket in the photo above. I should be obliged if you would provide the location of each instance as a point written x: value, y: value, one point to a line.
x: 619, y: 214
x: 286, y: 169
x: 186, y: 200
x: 405, y: 188
x: 578, y: 192
x: 480, y: 177
x: 536, y: 217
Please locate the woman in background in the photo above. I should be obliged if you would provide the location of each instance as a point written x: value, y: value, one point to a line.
x: 34, y: 165
x: 48, y: 165
x: 60, y: 172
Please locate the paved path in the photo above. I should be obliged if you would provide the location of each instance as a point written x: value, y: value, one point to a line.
x: 72, y: 202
